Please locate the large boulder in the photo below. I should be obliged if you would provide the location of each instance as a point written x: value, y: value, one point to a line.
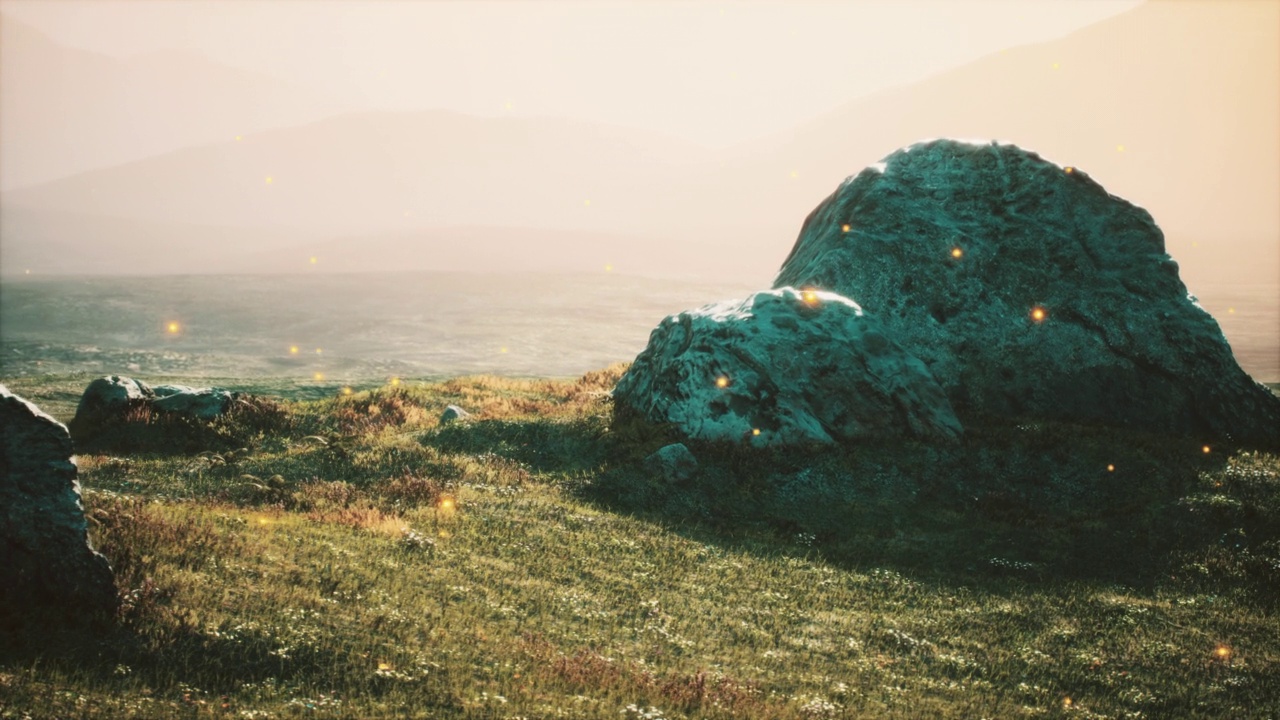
x: 46, y: 562
x: 783, y: 367
x: 1029, y: 292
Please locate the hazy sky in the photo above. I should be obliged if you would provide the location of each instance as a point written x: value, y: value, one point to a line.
x: 714, y: 73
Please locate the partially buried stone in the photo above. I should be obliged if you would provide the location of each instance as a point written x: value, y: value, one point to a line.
x: 673, y: 463
x: 453, y: 412
x: 202, y: 403
x: 46, y: 561
x: 1061, y: 302
x: 783, y: 367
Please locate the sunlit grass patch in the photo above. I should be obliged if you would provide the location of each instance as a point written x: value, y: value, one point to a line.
x: 524, y: 564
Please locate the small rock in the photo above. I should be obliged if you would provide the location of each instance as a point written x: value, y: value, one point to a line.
x: 111, y: 395
x: 672, y: 463
x: 202, y: 403
x: 453, y: 412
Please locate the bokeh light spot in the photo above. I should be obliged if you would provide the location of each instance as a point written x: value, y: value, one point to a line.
x: 293, y: 349
x: 957, y: 253
x: 722, y: 382
x: 1038, y: 314
x: 173, y: 328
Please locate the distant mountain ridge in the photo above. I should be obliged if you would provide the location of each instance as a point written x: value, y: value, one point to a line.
x: 67, y: 110
x: 1173, y: 107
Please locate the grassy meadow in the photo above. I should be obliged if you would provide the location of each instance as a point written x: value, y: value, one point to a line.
x: 317, y: 554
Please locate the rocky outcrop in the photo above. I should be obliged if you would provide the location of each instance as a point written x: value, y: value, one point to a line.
x: 1029, y: 291
x: 107, y: 398
x: 783, y: 367
x: 46, y: 561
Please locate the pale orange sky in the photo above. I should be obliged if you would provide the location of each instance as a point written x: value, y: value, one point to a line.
x: 714, y: 73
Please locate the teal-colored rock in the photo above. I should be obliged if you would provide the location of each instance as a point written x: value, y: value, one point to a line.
x: 202, y: 403
x: 955, y: 245
x: 46, y: 561
x: 783, y: 367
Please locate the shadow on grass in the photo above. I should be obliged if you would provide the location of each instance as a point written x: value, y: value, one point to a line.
x: 161, y: 663
x: 1030, y: 503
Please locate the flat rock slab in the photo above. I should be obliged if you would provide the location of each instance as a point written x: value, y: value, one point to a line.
x: 46, y: 561
x: 1029, y: 292
x: 783, y: 367
x: 202, y: 403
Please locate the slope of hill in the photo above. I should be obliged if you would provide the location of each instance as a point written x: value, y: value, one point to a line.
x: 67, y: 110
x: 1173, y: 106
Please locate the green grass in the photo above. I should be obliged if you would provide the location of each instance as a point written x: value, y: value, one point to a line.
x: 345, y: 556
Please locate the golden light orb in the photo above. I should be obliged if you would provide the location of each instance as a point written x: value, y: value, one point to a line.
x: 318, y: 376
x: 1119, y: 148
x: 346, y: 391
x: 502, y: 350
x: 608, y: 268
x: 755, y: 431
x: 1205, y: 449
x: 1222, y: 652
x: 1111, y: 468
x: 446, y: 503
x: 722, y: 382
x: 269, y: 180
x: 237, y: 137
x: 384, y: 666
x: 586, y: 203
x: 1055, y: 66
x: 1068, y: 169
x: 293, y: 349
x: 957, y: 253
x: 395, y: 381
x: 1066, y: 702
x: 1039, y: 314
x: 1231, y: 311
x: 844, y: 227
x: 173, y: 328
x: 809, y: 297
x: 314, y: 259
x: 319, y: 351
